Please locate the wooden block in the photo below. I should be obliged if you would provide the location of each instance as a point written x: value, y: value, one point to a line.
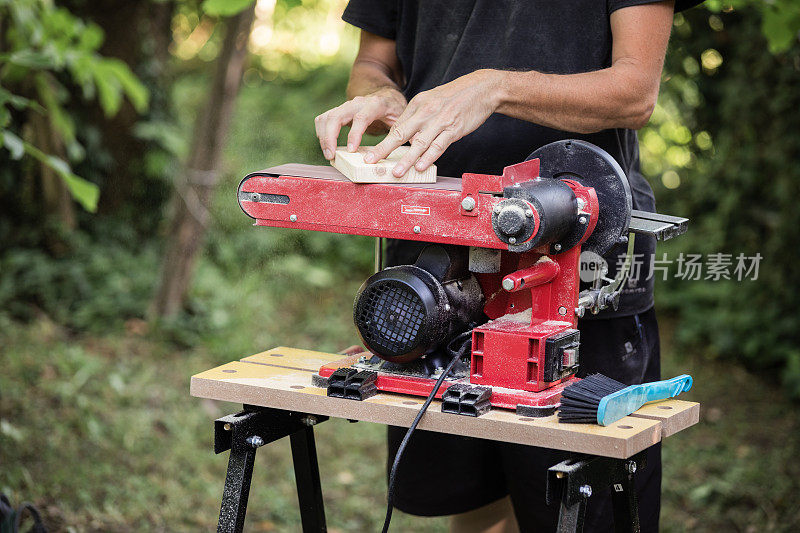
x: 352, y: 165
x: 327, y: 172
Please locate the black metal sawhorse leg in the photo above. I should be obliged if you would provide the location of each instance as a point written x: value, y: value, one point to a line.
x: 572, y: 481
x: 243, y: 433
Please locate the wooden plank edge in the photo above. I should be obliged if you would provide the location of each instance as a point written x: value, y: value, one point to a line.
x: 547, y: 437
x: 676, y: 422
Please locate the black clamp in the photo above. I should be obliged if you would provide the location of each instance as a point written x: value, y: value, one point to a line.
x: 467, y: 400
x: 573, y: 481
x: 352, y: 384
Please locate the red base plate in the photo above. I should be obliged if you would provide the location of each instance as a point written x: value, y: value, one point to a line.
x: 419, y: 386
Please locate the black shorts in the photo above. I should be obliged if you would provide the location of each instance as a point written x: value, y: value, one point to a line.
x: 445, y: 474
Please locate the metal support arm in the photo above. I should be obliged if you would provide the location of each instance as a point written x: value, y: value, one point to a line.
x: 573, y: 481
x: 243, y: 433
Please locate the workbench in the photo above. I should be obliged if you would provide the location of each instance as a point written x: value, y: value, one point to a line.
x: 281, y: 399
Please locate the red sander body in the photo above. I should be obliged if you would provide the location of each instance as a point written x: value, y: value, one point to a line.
x: 502, y: 268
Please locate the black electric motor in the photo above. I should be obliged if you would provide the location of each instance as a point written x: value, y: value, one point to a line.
x: 407, y: 311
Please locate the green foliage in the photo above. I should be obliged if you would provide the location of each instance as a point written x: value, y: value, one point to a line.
x: 84, y: 192
x: 780, y: 19
x: 45, y: 49
x: 105, y: 276
x: 97, y: 285
x: 225, y: 8
x: 725, y: 142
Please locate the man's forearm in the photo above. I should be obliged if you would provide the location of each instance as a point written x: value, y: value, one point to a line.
x: 616, y: 97
x: 367, y: 77
x: 621, y: 96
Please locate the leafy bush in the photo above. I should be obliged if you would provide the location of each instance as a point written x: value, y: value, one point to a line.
x: 738, y: 183
x: 93, y: 287
x: 95, y: 279
x: 44, y: 46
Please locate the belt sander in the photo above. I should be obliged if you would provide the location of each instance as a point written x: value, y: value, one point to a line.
x: 499, y: 273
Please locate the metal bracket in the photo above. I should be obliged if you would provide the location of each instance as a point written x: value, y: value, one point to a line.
x: 662, y: 227
x: 602, y: 295
x: 573, y: 481
x: 246, y: 431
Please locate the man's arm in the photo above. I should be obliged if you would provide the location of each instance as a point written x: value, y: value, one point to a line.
x: 621, y: 96
x: 375, y: 98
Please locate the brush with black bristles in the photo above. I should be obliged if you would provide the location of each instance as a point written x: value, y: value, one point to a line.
x: 598, y: 399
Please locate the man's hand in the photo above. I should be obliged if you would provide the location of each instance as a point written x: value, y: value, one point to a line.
x: 375, y: 98
x: 373, y: 112
x: 435, y: 119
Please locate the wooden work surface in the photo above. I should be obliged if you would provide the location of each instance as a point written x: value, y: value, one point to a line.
x: 281, y: 378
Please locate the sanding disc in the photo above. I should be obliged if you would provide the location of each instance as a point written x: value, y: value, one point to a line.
x: 592, y: 166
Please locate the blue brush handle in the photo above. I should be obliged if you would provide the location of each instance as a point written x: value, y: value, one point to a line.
x: 622, y: 403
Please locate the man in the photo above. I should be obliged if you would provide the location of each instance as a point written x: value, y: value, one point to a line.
x: 476, y: 85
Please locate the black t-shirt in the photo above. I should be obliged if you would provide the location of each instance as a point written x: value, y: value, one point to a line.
x: 441, y: 40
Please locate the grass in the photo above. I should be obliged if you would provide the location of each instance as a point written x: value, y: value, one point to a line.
x: 100, y: 431
x: 737, y: 470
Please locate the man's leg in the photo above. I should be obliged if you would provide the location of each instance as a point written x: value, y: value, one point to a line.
x: 636, y: 360
x: 443, y: 474
x: 496, y: 517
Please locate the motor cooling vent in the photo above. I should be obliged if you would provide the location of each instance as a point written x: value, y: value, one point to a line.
x: 405, y: 312
x: 389, y: 316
